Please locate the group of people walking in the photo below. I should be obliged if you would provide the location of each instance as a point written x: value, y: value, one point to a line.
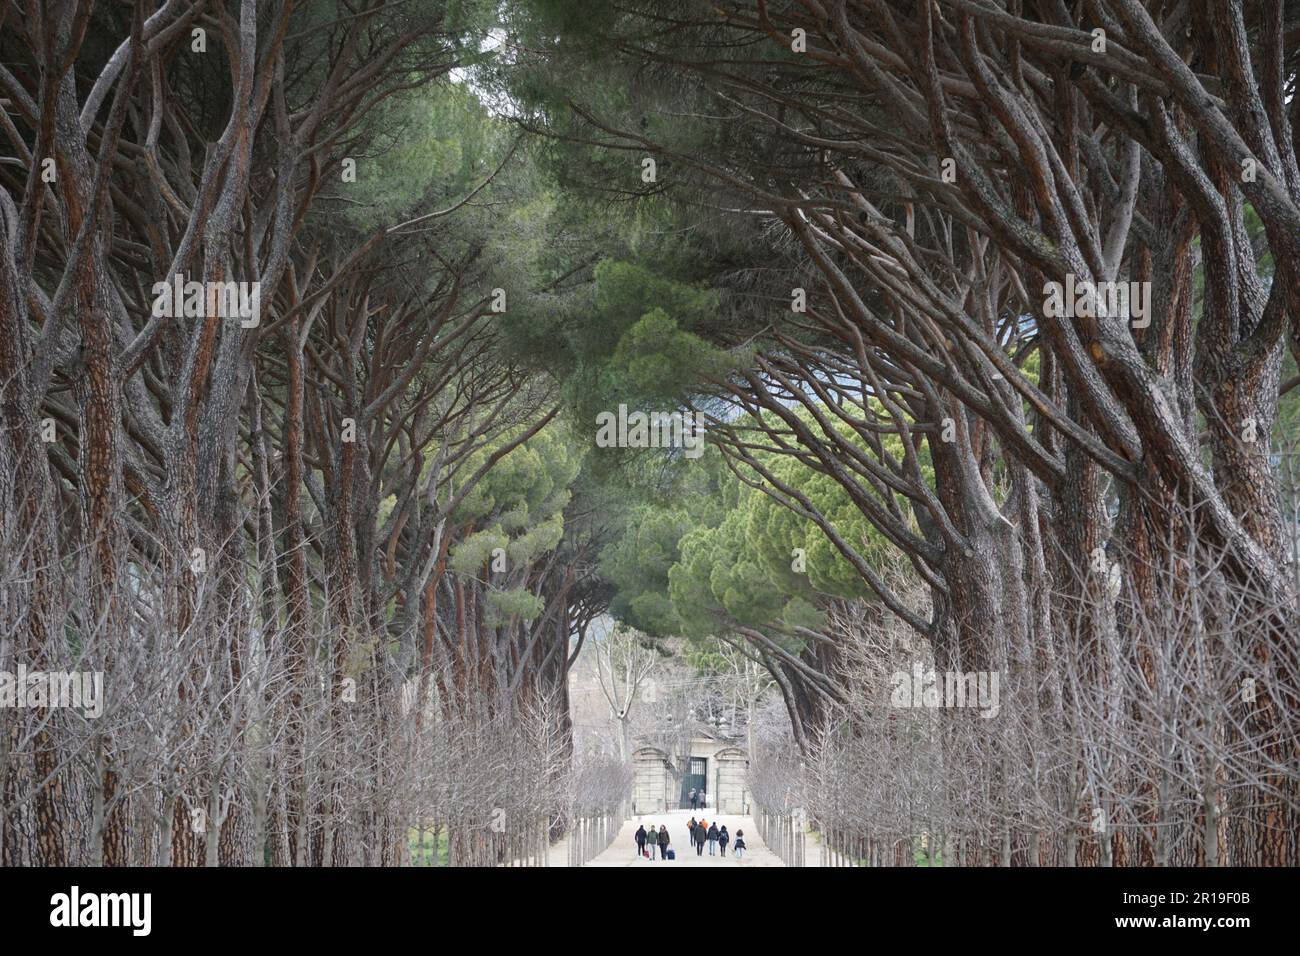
x: 702, y: 833
x: 717, y: 838
x: 646, y: 841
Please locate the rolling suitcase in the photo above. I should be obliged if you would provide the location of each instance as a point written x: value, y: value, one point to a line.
x: 672, y: 854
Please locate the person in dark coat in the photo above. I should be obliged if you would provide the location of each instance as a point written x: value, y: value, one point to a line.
x: 713, y: 839
x: 701, y: 834
x: 723, y: 839
x: 740, y: 844
x: 663, y: 842
x: 640, y: 840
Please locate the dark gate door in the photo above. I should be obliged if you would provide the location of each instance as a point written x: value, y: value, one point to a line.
x: 697, y: 771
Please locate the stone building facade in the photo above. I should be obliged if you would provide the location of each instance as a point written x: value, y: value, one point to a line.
x: 663, y: 781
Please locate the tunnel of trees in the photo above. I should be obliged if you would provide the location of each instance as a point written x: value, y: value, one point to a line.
x: 311, y: 314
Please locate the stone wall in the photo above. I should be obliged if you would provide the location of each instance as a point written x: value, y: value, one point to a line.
x: 731, y: 772
x: 652, y: 785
